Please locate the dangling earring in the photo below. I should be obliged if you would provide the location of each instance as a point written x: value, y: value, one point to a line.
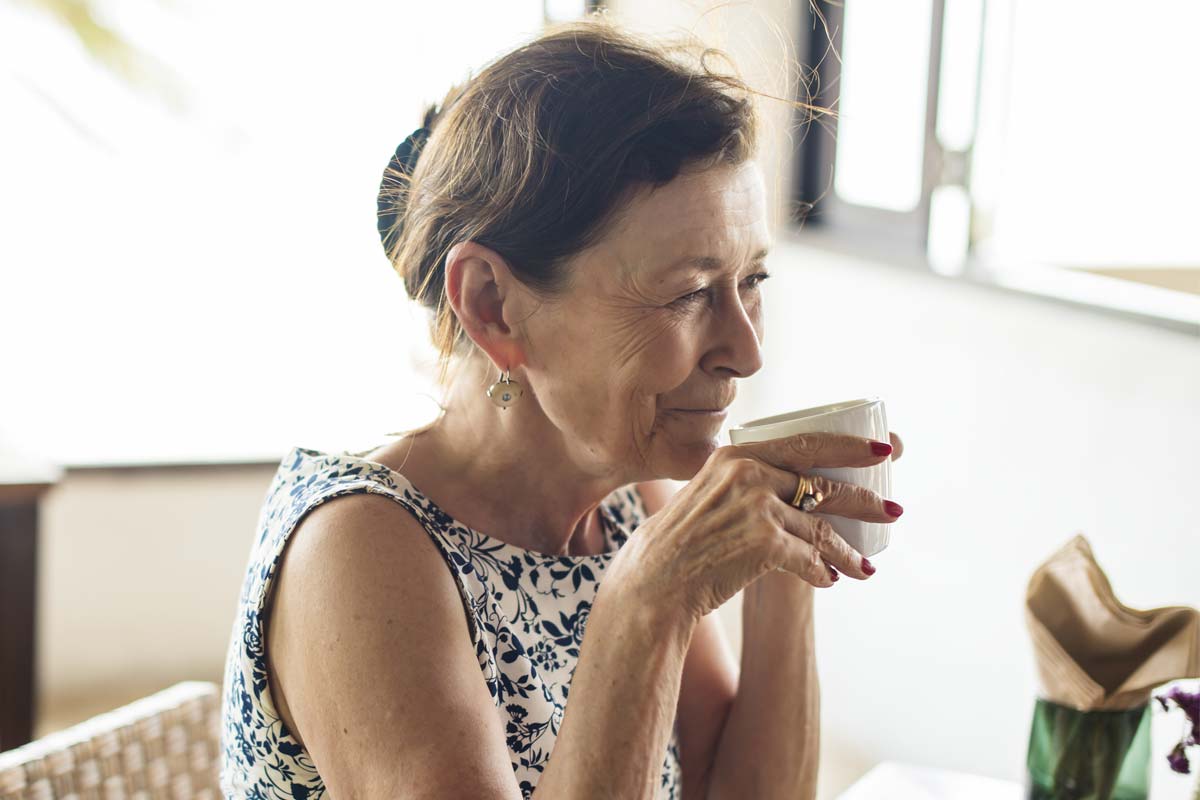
x: 505, y: 391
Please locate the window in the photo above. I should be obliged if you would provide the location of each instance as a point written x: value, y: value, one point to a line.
x: 190, y: 266
x: 1041, y: 147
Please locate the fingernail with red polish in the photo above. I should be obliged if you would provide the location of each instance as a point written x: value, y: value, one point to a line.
x: 881, y: 448
x: 895, y: 509
x: 833, y: 574
x: 867, y: 567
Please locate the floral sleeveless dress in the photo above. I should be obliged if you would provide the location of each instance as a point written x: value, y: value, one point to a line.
x: 526, y: 613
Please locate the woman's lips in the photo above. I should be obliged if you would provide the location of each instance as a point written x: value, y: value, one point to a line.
x: 700, y: 412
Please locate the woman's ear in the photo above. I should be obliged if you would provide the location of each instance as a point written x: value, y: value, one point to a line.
x: 488, y: 301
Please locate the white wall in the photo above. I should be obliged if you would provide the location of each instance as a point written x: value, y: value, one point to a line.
x: 138, y: 580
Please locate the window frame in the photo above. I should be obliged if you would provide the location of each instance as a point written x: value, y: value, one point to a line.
x: 821, y: 219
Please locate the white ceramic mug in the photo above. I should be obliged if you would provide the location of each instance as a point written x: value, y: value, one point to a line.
x: 864, y: 417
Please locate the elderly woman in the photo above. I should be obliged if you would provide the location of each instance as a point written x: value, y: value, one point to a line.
x: 586, y: 221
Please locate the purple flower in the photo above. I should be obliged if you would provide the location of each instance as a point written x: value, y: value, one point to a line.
x: 1190, y: 703
x: 1179, y: 761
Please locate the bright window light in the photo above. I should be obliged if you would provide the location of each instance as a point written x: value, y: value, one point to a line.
x: 881, y: 110
x: 190, y: 269
x: 1100, y: 141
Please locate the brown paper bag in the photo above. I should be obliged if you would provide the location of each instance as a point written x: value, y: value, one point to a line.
x: 1092, y: 652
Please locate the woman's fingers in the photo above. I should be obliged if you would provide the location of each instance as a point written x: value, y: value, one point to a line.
x: 804, y: 451
x: 838, y: 497
x: 825, y: 540
x: 848, y: 500
x: 813, y: 549
x: 812, y: 545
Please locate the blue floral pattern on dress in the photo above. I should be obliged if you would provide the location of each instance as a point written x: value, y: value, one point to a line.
x: 526, y: 612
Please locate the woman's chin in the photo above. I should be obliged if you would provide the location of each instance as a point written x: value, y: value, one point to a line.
x: 688, y: 458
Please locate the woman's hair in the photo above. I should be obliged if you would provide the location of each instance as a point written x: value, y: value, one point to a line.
x: 534, y: 156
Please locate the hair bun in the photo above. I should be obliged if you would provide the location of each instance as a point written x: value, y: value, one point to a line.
x: 392, y: 187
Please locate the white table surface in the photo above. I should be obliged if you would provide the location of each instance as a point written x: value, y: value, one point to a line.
x: 891, y: 780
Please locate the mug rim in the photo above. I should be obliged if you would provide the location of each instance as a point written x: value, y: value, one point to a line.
x: 805, y: 413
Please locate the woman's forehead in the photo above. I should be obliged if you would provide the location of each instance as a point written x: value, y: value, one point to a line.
x: 699, y: 221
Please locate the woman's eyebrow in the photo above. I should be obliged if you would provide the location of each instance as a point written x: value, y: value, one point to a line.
x: 712, y: 264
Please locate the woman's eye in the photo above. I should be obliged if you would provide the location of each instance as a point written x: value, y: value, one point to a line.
x: 694, y: 296
x: 691, y: 296
x: 758, y: 278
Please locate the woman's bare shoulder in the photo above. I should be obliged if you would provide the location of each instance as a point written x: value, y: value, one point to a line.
x: 368, y: 642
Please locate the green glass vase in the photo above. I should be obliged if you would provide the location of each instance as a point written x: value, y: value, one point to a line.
x: 1088, y: 755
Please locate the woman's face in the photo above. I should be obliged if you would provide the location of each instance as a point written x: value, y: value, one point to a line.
x: 649, y: 329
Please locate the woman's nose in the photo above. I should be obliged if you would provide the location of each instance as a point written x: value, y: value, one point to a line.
x: 737, y: 347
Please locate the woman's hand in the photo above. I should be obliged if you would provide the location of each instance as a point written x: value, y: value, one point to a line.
x: 733, y: 522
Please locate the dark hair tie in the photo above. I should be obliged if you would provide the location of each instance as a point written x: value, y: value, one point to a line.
x: 403, y: 162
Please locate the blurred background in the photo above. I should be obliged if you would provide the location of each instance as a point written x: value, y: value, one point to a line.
x: 996, y: 236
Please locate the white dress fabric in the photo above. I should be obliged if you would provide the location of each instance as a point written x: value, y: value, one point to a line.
x: 526, y: 613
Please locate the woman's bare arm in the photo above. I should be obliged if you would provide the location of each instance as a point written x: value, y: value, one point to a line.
x: 370, y: 646
x: 770, y: 746
x: 621, y: 709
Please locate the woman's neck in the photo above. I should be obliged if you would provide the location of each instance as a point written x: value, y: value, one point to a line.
x: 488, y: 474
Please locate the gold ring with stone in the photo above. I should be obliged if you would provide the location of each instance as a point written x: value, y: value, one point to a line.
x: 807, y: 496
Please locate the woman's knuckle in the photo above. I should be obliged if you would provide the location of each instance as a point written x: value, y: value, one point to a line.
x: 724, y: 453
x: 744, y: 470
x: 859, y: 494
x: 863, y: 498
x: 815, y: 563
x: 826, y: 486
x: 770, y: 552
x: 823, y: 535
x: 763, y: 533
x: 775, y: 550
x: 803, y: 445
x: 760, y: 496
